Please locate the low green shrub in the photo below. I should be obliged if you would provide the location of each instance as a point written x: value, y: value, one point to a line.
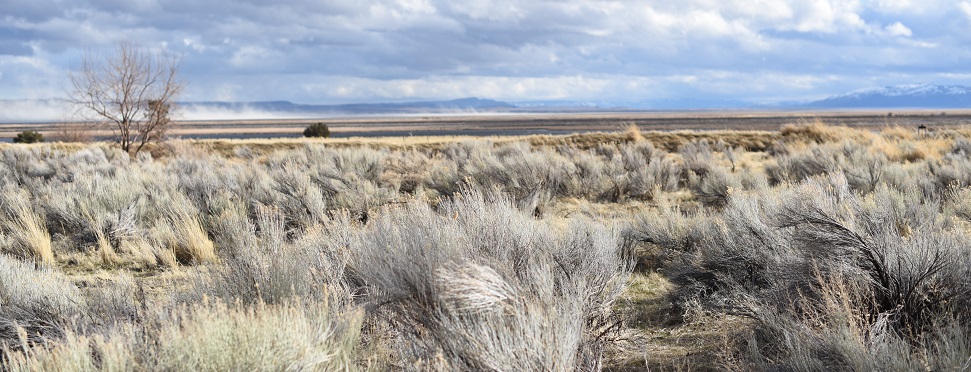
x: 319, y: 130
x: 28, y: 136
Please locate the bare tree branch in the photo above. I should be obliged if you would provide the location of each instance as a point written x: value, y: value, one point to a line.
x: 131, y: 92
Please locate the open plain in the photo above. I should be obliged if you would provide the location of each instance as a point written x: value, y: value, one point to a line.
x: 793, y: 246
x: 531, y: 123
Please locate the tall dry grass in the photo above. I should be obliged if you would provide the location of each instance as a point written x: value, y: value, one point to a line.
x: 27, y: 231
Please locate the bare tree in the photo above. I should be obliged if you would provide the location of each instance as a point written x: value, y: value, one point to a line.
x: 131, y: 91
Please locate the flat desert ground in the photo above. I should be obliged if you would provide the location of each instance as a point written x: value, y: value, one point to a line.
x: 516, y: 124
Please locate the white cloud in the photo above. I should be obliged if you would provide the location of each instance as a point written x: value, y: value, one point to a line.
x: 249, y: 55
x: 922, y: 8
x: 33, y: 111
x: 898, y: 29
x: 395, y: 49
x: 511, y: 88
x: 706, y: 24
x: 761, y: 11
x: 36, y: 78
x: 761, y: 85
x: 965, y: 8
x: 196, y: 112
x: 894, y: 5
x: 827, y: 16
x: 492, y: 10
x: 194, y: 44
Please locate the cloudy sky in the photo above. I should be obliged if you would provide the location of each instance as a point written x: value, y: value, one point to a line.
x: 337, y: 51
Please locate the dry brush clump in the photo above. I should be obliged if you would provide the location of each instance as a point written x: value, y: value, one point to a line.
x: 537, y: 177
x: 476, y: 285
x: 206, y: 337
x: 35, y: 304
x: 262, y: 264
x: 40, y: 306
x: 815, y: 130
x: 887, y: 266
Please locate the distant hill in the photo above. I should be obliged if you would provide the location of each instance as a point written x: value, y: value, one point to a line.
x: 901, y: 96
x: 916, y: 96
x: 464, y: 104
x: 652, y: 104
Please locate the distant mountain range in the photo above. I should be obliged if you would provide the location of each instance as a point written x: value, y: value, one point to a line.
x: 901, y: 96
x: 290, y: 108
x: 464, y: 105
x: 916, y: 96
x: 653, y: 104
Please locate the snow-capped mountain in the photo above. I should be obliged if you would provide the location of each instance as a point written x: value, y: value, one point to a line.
x: 902, y: 96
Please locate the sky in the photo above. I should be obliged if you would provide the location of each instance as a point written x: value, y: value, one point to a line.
x: 341, y: 51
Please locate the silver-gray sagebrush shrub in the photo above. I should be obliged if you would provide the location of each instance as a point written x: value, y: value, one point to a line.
x: 834, y: 279
x: 481, y: 285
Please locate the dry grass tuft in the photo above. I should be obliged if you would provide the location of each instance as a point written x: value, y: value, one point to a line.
x: 903, y: 145
x: 30, y: 234
x: 633, y: 133
x: 897, y: 132
x: 816, y: 131
x: 189, y: 242
x: 108, y: 255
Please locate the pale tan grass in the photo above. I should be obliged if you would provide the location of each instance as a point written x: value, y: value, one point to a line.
x: 208, y: 337
x: 900, y: 147
x: 898, y: 132
x: 220, y: 337
x: 107, y: 253
x: 815, y: 130
x: 634, y: 133
x: 62, y: 146
x: 142, y: 253
x: 190, y: 243
x: 28, y: 230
